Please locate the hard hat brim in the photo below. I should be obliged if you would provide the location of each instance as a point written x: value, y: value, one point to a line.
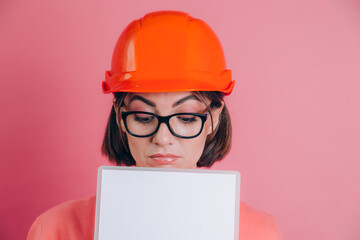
x: 193, y: 81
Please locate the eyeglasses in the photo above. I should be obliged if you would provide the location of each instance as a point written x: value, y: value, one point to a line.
x: 146, y: 124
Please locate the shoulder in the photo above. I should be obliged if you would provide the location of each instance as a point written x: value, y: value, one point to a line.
x: 256, y: 224
x: 70, y: 220
x: 66, y: 210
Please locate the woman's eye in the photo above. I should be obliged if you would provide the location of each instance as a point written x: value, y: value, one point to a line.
x: 144, y: 119
x: 187, y: 119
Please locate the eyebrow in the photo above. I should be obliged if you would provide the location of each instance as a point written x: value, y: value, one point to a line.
x: 191, y: 96
x: 152, y: 104
x: 137, y: 97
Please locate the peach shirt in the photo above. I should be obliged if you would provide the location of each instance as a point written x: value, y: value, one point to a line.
x: 75, y: 220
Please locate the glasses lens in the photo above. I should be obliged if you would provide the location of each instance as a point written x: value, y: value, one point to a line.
x: 186, y: 125
x: 141, y: 124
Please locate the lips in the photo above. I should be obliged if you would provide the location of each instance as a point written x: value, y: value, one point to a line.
x: 163, y: 159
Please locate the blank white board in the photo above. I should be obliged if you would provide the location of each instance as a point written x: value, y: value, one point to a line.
x: 167, y: 204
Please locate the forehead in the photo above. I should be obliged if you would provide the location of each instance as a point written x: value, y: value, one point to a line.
x: 166, y: 97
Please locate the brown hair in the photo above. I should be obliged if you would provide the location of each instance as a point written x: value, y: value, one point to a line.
x: 217, y: 145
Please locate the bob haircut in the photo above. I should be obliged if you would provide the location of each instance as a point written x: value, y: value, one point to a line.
x: 218, y: 143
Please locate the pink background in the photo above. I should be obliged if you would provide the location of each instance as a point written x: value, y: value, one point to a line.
x: 295, y: 106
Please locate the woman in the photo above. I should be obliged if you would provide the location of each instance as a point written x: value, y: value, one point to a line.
x: 168, y: 77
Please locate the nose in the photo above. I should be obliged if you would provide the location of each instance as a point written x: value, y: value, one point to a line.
x: 163, y: 136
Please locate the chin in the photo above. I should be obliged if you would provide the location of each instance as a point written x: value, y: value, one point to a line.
x: 175, y: 166
x: 166, y: 166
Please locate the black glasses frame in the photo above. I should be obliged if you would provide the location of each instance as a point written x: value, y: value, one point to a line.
x: 163, y: 119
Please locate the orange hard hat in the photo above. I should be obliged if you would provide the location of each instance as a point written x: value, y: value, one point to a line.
x: 168, y: 51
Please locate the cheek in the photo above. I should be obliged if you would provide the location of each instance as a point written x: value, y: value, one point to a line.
x: 195, y: 147
x: 137, y: 146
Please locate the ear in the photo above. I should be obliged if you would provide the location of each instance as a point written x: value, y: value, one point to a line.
x: 215, y: 113
x: 122, y: 126
x: 119, y: 120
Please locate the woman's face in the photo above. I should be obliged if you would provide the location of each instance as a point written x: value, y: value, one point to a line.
x: 164, y: 149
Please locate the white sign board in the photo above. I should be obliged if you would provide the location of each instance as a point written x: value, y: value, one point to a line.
x: 167, y: 204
